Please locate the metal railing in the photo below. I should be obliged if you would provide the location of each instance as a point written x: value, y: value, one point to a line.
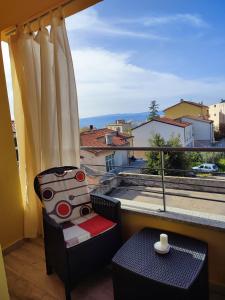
x: 164, y: 180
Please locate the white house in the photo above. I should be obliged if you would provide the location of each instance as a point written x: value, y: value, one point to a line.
x: 217, y: 114
x: 202, y: 130
x: 166, y: 128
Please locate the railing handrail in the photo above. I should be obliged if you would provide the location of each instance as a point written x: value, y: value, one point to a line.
x: 159, y: 149
x: 164, y: 180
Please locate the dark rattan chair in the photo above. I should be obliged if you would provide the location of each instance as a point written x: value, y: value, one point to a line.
x: 72, y: 264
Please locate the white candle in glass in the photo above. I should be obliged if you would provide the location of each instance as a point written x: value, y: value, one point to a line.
x: 164, y: 240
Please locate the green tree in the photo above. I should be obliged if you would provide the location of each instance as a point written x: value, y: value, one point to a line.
x: 195, y: 158
x: 153, y: 157
x: 172, y: 160
x: 176, y: 160
x: 153, y: 110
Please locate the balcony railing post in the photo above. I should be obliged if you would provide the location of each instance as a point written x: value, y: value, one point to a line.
x: 163, y: 176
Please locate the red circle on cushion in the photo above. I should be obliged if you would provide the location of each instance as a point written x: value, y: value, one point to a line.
x: 80, y: 176
x: 63, y: 209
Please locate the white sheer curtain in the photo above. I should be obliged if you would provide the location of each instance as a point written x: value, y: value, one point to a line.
x: 46, y: 111
x: 68, y: 125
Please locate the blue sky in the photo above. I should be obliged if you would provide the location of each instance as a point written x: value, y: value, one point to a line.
x: 127, y: 53
x: 189, y: 35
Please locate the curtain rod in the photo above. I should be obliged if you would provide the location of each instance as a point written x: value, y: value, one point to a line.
x: 41, y: 16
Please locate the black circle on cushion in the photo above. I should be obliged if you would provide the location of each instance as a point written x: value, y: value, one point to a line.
x: 61, y: 173
x: 85, y: 210
x: 48, y: 194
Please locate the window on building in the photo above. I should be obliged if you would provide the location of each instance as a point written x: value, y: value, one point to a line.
x: 109, y: 162
x: 214, y: 115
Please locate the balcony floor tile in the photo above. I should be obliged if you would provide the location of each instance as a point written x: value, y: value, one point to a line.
x: 25, y: 270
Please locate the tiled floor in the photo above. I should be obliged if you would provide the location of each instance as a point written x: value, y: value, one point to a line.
x: 25, y: 269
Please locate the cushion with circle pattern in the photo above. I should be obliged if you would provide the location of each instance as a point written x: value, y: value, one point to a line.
x: 65, y: 196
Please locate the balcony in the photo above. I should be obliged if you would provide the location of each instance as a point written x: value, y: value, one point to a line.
x: 181, y: 193
x: 193, y: 206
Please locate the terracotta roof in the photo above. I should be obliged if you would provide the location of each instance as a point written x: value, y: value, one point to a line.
x: 196, y: 118
x: 189, y: 102
x: 166, y: 121
x: 172, y: 122
x: 96, y: 138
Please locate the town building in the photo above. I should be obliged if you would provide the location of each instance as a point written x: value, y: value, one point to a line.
x: 217, y: 114
x: 202, y: 130
x: 104, y: 160
x: 166, y: 128
x: 120, y: 126
x: 185, y: 107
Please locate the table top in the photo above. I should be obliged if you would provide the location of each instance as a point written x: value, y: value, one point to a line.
x: 179, y: 268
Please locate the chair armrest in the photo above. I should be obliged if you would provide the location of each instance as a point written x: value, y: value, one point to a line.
x: 106, y: 206
x: 53, y: 232
x: 50, y: 221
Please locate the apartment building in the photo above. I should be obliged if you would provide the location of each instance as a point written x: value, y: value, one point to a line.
x: 185, y: 107
x: 166, y: 128
x: 217, y: 114
x: 202, y: 130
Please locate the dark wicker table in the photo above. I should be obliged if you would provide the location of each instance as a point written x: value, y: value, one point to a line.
x: 140, y: 273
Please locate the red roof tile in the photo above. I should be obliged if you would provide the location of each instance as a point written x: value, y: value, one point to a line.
x: 172, y: 122
x: 167, y: 121
x: 196, y: 118
x: 96, y: 138
x: 188, y: 102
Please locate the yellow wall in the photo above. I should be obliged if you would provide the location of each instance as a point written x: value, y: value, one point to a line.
x: 133, y: 222
x: 4, y: 295
x: 11, y: 208
x: 185, y: 109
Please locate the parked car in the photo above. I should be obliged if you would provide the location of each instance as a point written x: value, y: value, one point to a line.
x: 206, y: 168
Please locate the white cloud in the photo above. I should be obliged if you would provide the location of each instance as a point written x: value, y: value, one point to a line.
x: 89, y: 21
x: 108, y: 83
x: 189, y: 19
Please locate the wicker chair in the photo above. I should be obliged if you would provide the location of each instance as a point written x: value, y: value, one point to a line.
x: 72, y: 264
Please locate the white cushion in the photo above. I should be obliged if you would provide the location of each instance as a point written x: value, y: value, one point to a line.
x: 66, y: 196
